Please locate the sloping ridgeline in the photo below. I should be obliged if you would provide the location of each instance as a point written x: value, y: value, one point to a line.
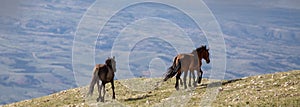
x: 278, y: 89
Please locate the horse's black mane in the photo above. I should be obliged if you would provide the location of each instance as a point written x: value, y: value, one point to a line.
x: 199, y: 49
x: 108, y: 63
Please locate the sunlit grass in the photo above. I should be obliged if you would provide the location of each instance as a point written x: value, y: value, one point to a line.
x: 279, y: 89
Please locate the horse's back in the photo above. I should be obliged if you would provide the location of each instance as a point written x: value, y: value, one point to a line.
x: 100, y: 65
x: 186, y: 57
x: 104, y: 73
x: 97, y: 67
x: 186, y: 60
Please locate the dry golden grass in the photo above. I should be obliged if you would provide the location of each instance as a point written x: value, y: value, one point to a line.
x: 278, y: 89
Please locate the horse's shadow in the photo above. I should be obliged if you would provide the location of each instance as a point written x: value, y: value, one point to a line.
x: 217, y: 84
x: 138, y: 98
x: 205, y: 85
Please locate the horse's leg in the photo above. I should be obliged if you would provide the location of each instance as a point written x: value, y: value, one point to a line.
x: 113, y: 89
x: 178, y: 70
x: 99, y: 91
x: 180, y: 80
x: 184, y: 79
x: 190, y: 77
x: 177, y: 78
x: 200, y: 77
x: 102, y: 100
x: 194, y: 81
x: 98, y: 86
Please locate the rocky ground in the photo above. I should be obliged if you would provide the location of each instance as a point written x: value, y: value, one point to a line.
x: 278, y: 89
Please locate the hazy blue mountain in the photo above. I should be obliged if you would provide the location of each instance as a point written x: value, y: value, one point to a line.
x: 36, y: 41
x: 36, y: 47
x: 260, y: 36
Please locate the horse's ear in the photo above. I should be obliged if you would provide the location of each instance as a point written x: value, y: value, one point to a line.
x: 113, y: 57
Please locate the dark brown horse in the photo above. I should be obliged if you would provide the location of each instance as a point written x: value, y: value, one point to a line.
x: 105, y: 73
x: 185, y: 62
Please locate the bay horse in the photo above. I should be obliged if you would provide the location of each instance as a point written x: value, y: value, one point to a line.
x: 105, y: 73
x: 188, y: 62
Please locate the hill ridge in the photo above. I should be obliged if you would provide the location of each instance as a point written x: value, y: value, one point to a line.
x: 277, y: 89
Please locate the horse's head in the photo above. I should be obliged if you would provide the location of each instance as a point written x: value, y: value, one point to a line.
x: 206, y: 55
x: 111, y: 62
x: 203, y: 53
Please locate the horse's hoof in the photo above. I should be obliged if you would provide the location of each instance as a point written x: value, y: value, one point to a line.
x: 195, y: 85
x: 199, y: 82
x: 177, y: 88
x: 97, y: 99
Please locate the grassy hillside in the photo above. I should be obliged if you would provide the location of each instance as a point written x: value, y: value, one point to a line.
x: 278, y: 89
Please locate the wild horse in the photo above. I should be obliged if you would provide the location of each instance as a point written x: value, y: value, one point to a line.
x: 185, y: 62
x: 105, y: 73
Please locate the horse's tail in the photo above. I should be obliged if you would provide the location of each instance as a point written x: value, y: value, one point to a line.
x: 95, y: 80
x: 172, y: 71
